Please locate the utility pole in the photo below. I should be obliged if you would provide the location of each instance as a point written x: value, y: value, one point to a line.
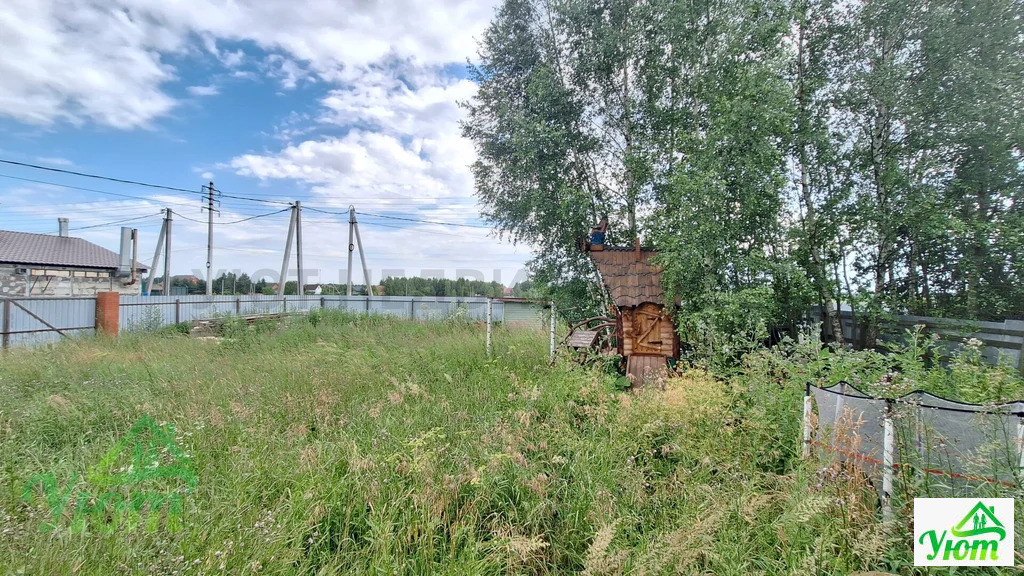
x: 362, y: 255
x: 300, y: 291
x: 351, y: 246
x: 168, y: 222
x: 209, y: 242
x: 148, y: 287
x: 287, y: 253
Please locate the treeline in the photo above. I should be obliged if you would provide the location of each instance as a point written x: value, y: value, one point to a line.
x: 779, y: 154
x: 229, y: 283
x: 441, y: 287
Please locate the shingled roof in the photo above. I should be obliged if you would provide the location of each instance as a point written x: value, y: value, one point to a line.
x: 631, y: 281
x: 26, y: 249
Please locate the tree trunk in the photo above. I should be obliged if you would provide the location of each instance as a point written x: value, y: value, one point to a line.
x: 818, y: 269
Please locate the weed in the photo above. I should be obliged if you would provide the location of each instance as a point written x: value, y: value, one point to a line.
x: 366, y: 444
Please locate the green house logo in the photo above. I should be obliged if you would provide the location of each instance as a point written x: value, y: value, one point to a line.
x: 983, y: 536
x: 145, y: 475
x: 145, y: 446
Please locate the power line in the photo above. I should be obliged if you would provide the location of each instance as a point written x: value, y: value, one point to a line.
x: 235, y: 221
x: 117, y: 222
x: 96, y: 176
x: 132, y: 182
x: 418, y: 231
x: 261, y: 200
x: 92, y: 190
x: 399, y: 218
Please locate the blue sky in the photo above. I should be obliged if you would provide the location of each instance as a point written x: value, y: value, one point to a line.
x: 334, y: 103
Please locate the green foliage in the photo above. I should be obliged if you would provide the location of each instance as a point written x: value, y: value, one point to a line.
x: 864, y: 153
x: 728, y: 325
x: 916, y: 362
x: 440, y: 287
x: 975, y: 380
x: 177, y: 329
x: 721, y: 326
x: 315, y: 316
x: 152, y: 320
x: 366, y: 443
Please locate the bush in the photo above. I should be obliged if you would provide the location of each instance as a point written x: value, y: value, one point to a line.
x: 728, y: 326
x: 177, y: 329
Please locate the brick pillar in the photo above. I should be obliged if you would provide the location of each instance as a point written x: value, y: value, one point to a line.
x: 108, y: 311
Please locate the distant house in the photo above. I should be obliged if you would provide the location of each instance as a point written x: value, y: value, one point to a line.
x: 190, y: 279
x: 59, y: 265
x: 181, y: 285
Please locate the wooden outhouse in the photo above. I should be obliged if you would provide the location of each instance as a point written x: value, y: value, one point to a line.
x: 644, y: 327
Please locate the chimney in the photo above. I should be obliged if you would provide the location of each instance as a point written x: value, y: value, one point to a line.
x: 62, y: 227
x: 124, y: 260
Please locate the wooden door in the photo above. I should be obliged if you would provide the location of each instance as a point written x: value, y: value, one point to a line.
x: 647, y: 328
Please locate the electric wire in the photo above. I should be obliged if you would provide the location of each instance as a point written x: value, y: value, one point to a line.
x: 235, y: 221
x: 116, y: 222
x: 34, y: 181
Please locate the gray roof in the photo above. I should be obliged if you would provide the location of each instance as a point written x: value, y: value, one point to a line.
x: 28, y: 249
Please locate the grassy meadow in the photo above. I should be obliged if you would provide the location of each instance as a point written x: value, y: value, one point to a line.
x: 339, y: 444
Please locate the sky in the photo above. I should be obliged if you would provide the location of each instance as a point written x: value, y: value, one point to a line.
x: 332, y: 103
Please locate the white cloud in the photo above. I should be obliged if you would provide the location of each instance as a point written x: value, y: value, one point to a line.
x: 55, y: 161
x: 203, y: 90
x: 385, y: 137
x: 406, y: 154
x: 232, y: 59
x: 104, y: 62
x: 63, y: 63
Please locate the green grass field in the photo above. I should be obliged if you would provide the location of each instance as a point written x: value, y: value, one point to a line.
x: 338, y: 444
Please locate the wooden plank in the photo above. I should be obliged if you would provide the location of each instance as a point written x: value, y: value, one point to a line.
x: 645, y: 369
x: 582, y: 338
x: 966, y: 329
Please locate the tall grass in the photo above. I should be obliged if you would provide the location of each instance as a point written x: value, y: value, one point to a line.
x: 341, y: 444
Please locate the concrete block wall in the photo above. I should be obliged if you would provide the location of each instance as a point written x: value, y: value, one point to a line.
x: 55, y: 282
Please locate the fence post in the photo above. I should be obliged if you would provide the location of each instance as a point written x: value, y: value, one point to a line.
x: 1017, y: 325
x: 1020, y: 441
x: 284, y: 304
x: 807, y: 420
x: 490, y: 305
x: 177, y: 310
x: 238, y: 305
x: 108, y: 312
x: 839, y: 411
x: 919, y: 441
x: 7, y: 324
x: 888, y: 439
x: 552, y: 332
x: 412, y: 308
x: 323, y: 302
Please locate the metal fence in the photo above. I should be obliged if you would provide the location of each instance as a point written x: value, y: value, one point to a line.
x: 999, y: 339
x: 943, y: 447
x: 34, y: 321
x: 149, y: 312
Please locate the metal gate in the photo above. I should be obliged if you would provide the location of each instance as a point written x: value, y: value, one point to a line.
x: 32, y: 321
